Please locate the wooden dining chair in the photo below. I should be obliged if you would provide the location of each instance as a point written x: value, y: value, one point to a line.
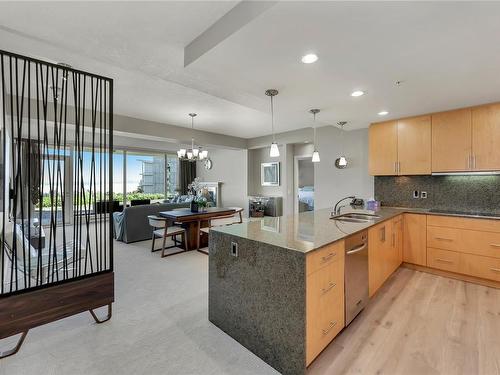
x: 161, y: 229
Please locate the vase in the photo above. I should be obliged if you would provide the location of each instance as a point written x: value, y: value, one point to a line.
x: 194, y: 206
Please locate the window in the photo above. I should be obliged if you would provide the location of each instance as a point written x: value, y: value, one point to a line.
x: 145, y: 176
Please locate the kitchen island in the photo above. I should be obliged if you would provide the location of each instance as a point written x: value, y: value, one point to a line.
x: 262, y: 279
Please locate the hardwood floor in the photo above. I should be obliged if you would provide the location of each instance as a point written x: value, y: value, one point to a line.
x: 420, y: 323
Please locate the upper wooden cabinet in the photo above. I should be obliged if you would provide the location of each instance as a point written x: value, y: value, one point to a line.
x: 452, y: 141
x: 414, y: 145
x: 383, y: 148
x: 462, y: 140
x: 486, y: 138
x: 400, y: 147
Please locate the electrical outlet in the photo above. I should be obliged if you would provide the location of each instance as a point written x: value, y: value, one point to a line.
x: 416, y: 194
x: 423, y: 194
x: 234, y: 249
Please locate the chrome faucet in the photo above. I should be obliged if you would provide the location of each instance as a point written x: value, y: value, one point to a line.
x: 336, y: 208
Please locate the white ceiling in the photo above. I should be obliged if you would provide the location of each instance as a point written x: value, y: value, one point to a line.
x: 447, y: 54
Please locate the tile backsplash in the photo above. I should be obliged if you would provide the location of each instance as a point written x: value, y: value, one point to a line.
x: 474, y: 193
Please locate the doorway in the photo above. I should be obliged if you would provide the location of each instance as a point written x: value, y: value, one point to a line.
x: 304, y: 184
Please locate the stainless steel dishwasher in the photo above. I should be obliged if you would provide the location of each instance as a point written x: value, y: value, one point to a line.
x: 356, y: 275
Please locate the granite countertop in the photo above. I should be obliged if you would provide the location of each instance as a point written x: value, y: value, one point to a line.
x: 311, y: 230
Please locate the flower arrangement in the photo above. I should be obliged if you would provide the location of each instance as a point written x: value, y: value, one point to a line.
x: 195, y: 189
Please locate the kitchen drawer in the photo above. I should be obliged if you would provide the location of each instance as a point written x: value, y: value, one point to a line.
x: 480, y: 243
x: 442, y: 238
x: 486, y: 225
x: 479, y: 266
x: 324, y: 256
x: 324, y: 307
x: 323, y: 327
x: 443, y: 259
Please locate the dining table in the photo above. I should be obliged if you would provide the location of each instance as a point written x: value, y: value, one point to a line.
x: 194, y: 221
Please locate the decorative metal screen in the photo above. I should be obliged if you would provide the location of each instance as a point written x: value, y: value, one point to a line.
x: 56, y: 197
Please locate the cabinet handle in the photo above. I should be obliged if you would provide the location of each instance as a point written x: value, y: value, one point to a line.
x: 382, y: 234
x: 326, y: 258
x: 328, y: 288
x: 495, y: 244
x: 474, y: 161
x: 332, y: 324
x: 495, y: 269
x: 443, y: 239
x: 444, y: 260
x: 396, y: 167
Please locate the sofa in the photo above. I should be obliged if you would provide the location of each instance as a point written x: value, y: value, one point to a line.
x: 132, y: 223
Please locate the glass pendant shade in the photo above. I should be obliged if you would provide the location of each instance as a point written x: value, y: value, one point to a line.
x: 189, y: 155
x: 181, y: 153
x: 315, y: 157
x: 196, y: 152
x: 274, y: 152
x: 204, y: 154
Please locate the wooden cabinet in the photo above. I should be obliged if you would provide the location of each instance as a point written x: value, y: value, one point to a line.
x: 452, y: 141
x: 464, y: 245
x: 324, y: 297
x: 414, y: 146
x: 462, y: 140
x: 400, y: 147
x: 415, y: 239
x: 486, y: 137
x: 378, y: 243
x: 443, y: 259
x: 383, y: 148
x: 384, y: 252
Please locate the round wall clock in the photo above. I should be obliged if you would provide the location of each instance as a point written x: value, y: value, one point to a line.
x: 208, y: 164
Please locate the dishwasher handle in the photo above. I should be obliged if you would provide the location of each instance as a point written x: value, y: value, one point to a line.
x: 357, y: 249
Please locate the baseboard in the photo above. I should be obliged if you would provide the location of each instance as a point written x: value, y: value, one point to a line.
x: 21, y: 312
x: 453, y: 275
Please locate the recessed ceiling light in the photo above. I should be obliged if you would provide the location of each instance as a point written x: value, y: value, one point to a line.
x: 309, y: 58
x: 383, y: 113
x: 357, y: 93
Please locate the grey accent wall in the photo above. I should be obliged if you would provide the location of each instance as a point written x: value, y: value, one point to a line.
x: 332, y: 184
x: 230, y: 168
x: 463, y: 193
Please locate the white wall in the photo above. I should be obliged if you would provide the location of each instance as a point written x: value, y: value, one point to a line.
x: 332, y: 184
x: 230, y: 168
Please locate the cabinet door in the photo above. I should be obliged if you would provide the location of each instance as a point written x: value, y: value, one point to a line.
x: 415, y: 239
x: 383, y: 148
x: 379, y: 240
x: 397, y: 243
x: 486, y: 137
x: 452, y: 141
x: 414, y: 145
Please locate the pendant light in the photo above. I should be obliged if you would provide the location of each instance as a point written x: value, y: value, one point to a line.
x: 194, y: 153
x: 341, y: 162
x: 315, y: 155
x: 274, y: 152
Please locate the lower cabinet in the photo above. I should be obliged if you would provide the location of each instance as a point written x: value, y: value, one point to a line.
x: 324, y: 298
x: 464, y: 246
x: 385, y: 251
x: 415, y: 239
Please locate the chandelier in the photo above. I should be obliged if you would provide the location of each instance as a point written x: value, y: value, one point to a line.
x: 194, y: 153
